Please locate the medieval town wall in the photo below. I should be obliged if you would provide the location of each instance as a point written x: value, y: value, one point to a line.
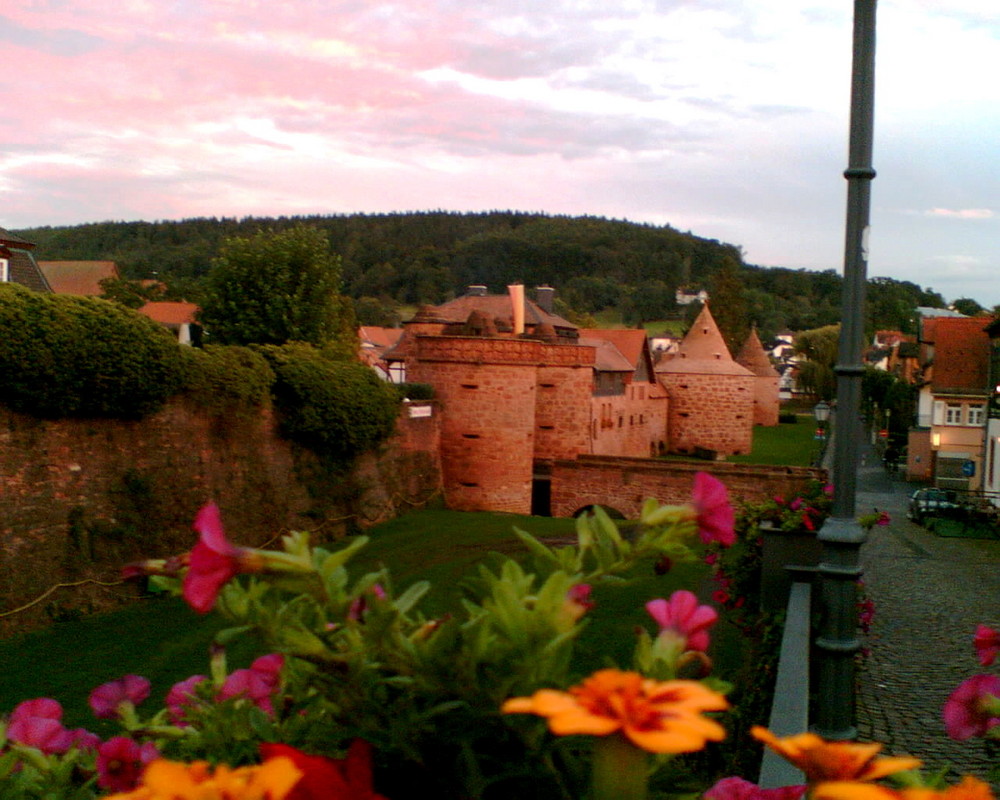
x: 624, y: 484
x: 710, y: 411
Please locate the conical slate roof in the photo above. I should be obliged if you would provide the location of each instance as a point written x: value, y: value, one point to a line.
x: 753, y: 357
x: 703, y: 351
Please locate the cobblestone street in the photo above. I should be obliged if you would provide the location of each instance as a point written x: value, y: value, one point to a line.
x: 930, y: 593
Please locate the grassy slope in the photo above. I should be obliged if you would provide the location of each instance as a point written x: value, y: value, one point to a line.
x: 166, y: 642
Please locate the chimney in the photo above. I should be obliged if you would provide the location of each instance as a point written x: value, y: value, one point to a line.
x: 545, y: 297
x: 477, y: 290
x: 517, y: 303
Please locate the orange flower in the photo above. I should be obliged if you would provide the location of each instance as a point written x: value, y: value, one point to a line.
x: 833, y: 761
x: 169, y: 780
x: 658, y: 717
x: 969, y: 789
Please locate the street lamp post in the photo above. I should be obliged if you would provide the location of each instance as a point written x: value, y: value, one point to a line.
x: 841, y: 535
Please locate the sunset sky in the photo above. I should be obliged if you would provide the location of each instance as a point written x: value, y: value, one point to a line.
x: 728, y: 118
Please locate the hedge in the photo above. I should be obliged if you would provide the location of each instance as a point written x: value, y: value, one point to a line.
x: 65, y: 356
x: 335, y: 408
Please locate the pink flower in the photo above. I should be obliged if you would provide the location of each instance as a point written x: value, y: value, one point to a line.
x: 973, y: 708
x: 106, y: 699
x: 359, y: 605
x: 682, y: 617
x: 120, y: 761
x: 258, y: 683
x: 796, y: 504
x: 38, y: 723
x: 577, y: 604
x: 883, y: 518
x: 214, y: 561
x: 720, y: 596
x: 711, y: 559
x: 84, y: 740
x: 716, y: 519
x: 740, y: 789
x: 181, y: 696
x: 987, y: 643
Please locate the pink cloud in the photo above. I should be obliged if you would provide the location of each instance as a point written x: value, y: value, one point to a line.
x: 961, y: 213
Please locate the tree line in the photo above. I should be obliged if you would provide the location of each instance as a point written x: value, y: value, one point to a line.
x: 387, y: 260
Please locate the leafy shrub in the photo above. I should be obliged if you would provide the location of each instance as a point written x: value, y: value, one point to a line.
x: 336, y: 408
x: 221, y: 378
x: 416, y: 391
x: 64, y: 356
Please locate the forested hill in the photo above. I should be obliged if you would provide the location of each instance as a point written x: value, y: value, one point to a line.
x: 427, y: 257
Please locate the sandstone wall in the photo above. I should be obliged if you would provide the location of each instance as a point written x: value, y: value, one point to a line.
x: 79, y: 498
x: 714, y: 412
x: 625, y: 483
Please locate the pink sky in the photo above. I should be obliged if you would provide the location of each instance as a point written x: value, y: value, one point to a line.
x: 723, y: 117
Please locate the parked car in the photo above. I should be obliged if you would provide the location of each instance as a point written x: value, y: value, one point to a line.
x: 932, y: 503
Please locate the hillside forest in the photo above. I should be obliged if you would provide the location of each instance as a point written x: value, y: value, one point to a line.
x: 595, y: 264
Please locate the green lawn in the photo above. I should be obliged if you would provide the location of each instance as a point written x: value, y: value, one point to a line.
x: 163, y: 640
x: 786, y: 444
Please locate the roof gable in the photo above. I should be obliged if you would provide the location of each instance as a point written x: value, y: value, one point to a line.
x: 78, y: 277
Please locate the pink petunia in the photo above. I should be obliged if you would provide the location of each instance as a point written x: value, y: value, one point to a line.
x: 359, y: 605
x: 682, y: 617
x: 181, y: 697
x: 106, y: 699
x: 741, y: 789
x: 716, y: 518
x: 987, y: 644
x: 972, y: 709
x: 214, y: 561
x: 578, y: 602
x: 258, y: 684
x: 120, y: 761
x: 84, y: 740
x: 38, y: 723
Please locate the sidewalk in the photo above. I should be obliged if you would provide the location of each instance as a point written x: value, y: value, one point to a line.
x: 930, y: 593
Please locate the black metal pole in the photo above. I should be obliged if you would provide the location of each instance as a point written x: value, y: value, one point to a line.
x: 841, y: 535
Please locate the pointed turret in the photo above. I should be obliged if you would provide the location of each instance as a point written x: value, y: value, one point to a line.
x: 765, y: 390
x: 703, y: 351
x: 754, y: 357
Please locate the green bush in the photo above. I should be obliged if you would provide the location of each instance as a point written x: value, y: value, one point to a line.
x: 336, y: 408
x: 222, y: 378
x: 416, y: 391
x: 63, y: 356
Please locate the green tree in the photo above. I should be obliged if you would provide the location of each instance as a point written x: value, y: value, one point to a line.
x: 819, y: 346
x: 728, y: 304
x: 277, y: 286
x: 968, y: 306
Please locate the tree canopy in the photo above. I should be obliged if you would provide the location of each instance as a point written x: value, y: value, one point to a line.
x: 276, y: 286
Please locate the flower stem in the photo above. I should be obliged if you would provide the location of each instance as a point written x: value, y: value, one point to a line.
x: 619, y: 769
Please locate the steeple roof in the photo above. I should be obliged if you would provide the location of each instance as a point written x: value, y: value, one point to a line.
x: 703, y: 351
x: 753, y: 357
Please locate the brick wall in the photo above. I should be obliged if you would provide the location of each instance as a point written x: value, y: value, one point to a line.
x: 630, y: 424
x: 486, y: 387
x: 79, y: 498
x: 625, y: 483
x: 710, y: 411
x: 765, y: 401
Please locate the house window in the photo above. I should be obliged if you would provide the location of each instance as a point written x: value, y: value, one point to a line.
x: 4, y: 270
x: 977, y: 415
x: 952, y: 414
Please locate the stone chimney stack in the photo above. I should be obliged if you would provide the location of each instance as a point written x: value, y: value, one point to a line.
x: 545, y: 297
x: 516, y: 291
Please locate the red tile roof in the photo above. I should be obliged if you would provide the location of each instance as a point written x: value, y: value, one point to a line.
x: 961, y: 354
x: 78, y: 277
x: 630, y: 342
x: 169, y: 313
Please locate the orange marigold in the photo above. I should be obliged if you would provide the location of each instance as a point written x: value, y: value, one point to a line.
x: 170, y: 780
x: 969, y: 789
x: 821, y: 760
x: 661, y: 717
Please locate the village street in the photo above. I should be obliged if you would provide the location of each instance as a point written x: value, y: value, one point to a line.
x: 930, y: 593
